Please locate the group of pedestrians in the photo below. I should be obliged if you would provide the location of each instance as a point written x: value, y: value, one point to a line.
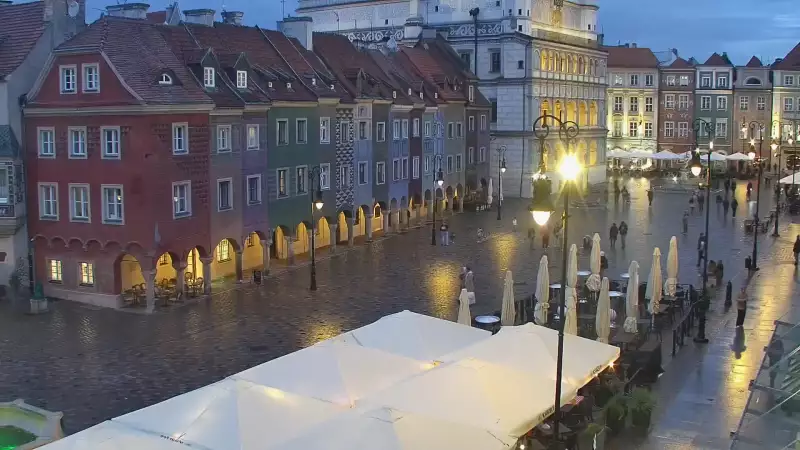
x: 615, y: 231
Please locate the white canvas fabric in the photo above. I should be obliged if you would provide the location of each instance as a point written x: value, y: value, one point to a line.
x: 654, y: 287
x: 631, y: 324
x: 113, y: 436
x: 603, y: 318
x: 508, y: 307
x: 542, y: 292
x: 464, y: 315
x: 593, y: 282
x: 671, y: 284
x: 571, y: 300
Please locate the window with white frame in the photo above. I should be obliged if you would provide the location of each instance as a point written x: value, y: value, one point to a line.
x: 634, y: 104
x: 344, y: 131
x: 282, y: 179
x: 633, y: 128
x: 209, y: 77
x: 253, y: 189
x: 180, y: 138
x: 165, y: 79
x: 634, y: 80
x: 788, y: 104
x: 380, y: 132
x: 113, y: 204
x: 68, y: 79
x: 77, y: 142
x: 618, y: 104
x: 396, y: 130
x: 684, y: 80
x: 55, y: 271
x: 91, y: 78
x: 616, y: 130
x: 324, y: 176
x: 669, y: 101
x: 253, y: 137
x: 181, y: 199
x: 618, y: 80
x: 404, y: 168
x: 47, y: 142
x: 483, y: 122
x: 404, y: 129
x: 111, y: 142
x: 5, y: 181
x: 415, y: 167
x: 427, y: 129
x: 761, y: 103
x: 224, y: 251
x: 722, y: 103
x: 722, y: 128
x: 683, y: 129
x: 223, y: 138
x: 471, y: 123
x: 705, y: 81
x: 788, y: 80
x: 669, y: 129
x: 324, y: 130
x: 282, y: 132
x: 471, y: 155
x: 722, y: 81
x: 426, y: 164
x: 380, y: 172
x: 395, y: 169
x: 449, y: 163
x: 241, y: 79
x: 482, y: 154
x: 471, y: 94
x: 648, y: 104
x: 451, y: 130
x: 48, y: 201
x: 363, y: 130
x: 683, y: 101
x: 301, y: 132
x: 224, y: 194
x: 459, y: 162
x: 648, y: 129
x: 344, y: 175
x: 363, y: 172
x: 79, y: 202
x: 648, y: 80
x: 415, y: 128
x: 744, y: 102
x: 705, y: 103
x: 670, y: 80
x: 459, y: 130
x: 301, y: 180
x: 86, y: 274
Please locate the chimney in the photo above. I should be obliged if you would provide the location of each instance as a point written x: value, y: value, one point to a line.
x: 129, y: 10
x: 633, y: 45
x: 300, y: 28
x: 675, y: 52
x: 200, y: 16
x: 232, y: 17
x: 5, y: 2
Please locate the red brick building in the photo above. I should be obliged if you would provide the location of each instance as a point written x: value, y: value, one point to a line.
x: 676, y: 107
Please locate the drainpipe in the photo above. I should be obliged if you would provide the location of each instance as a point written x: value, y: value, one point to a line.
x: 524, y: 113
x: 474, y: 13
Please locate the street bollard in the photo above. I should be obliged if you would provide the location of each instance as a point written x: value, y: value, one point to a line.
x: 747, y: 263
x: 728, y: 295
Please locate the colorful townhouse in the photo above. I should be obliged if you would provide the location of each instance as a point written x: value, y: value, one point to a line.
x: 676, y: 106
x: 714, y: 101
x: 752, y: 102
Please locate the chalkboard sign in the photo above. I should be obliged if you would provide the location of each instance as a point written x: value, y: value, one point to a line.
x: 257, y: 277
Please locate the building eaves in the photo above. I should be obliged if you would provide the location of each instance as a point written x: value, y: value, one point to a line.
x: 21, y: 26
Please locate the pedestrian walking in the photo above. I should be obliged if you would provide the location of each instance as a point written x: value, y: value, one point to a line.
x: 685, y: 222
x: 727, y: 185
x: 726, y: 204
x: 719, y: 273
x: 701, y: 202
x: 557, y: 228
x: 692, y: 202
x: 469, y: 280
x: 623, y: 232
x: 733, y: 187
x: 796, y: 249
x: 603, y: 262
x: 532, y: 236
x: 741, y: 307
x: 444, y: 235
x: 774, y: 355
x: 462, y: 277
x: 612, y: 234
x: 701, y: 248
x: 545, y: 238
x: 650, y: 197
x: 734, y: 206
x: 514, y: 224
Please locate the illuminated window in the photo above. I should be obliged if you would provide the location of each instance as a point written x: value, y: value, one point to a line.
x: 55, y: 271
x: 87, y: 274
x: 224, y: 251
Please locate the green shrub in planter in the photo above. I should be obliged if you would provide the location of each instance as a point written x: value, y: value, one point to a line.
x: 610, y: 385
x: 616, y: 413
x: 641, y: 403
x: 593, y: 437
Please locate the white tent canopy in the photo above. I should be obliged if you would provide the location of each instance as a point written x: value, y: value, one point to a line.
x: 791, y: 179
x: 622, y: 154
x: 666, y: 155
x: 737, y: 157
x: 113, y: 436
x: 414, y: 335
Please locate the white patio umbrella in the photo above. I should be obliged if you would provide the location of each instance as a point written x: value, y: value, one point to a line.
x: 671, y: 285
x: 738, y: 156
x: 791, y: 179
x: 602, y: 322
x: 508, y: 312
x: 464, y: 317
x: 632, y: 300
x: 593, y: 282
x: 654, y: 287
x: 542, y: 292
x: 666, y: 155
x: 617, y: 153
x: 571, y: 316
x: 490, y: 192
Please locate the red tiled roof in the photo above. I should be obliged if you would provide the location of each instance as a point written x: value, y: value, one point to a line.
x: 679, y: 63
x: 716, y: 60
x: 157, y: 17
x: 22, y: 25
x: 791, y: 61
x: 631, y: 57
x: 350, y: 63
x: 754, y: 62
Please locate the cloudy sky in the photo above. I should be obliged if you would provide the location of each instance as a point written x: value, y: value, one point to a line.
x: 743, y: 28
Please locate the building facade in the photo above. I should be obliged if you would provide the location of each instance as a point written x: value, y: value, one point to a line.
x: 676, y: 106
x: 533, y: 58
x: 632, y: 95
x: 786, y: 104
x: 753, y: 100
x: 714, y: 101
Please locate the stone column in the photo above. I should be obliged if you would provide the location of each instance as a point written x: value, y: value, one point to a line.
x: 181, y: 278
x: 238, y: 262
x: 386, y: 215
x: 265, y: 246
x: 398, y: 220
x: 369, y: 227
x: 461, y: 204
x: 150, y: 289
x: 289, y: 250
x: 207, y: 275
x: 417, y: 215
x: 350, y: 228
x: 334, y: 231
x: 430, y: 209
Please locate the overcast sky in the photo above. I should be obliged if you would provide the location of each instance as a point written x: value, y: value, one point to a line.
x: 743, y: 28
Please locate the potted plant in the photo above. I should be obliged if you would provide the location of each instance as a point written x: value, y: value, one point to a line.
x: 609, y: 386
x: 593, y: 437
x: 616, y: 414
x: 641, y: 403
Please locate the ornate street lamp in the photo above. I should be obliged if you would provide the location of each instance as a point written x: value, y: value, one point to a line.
x: 501, y: 169
x: 777, y: 150
x: 314, y: 177
x: 437, y: 185
x: 696, y: 168
x: 752, y: 127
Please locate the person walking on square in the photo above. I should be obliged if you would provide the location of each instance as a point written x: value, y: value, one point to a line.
x: 727, y: 185
x: 532, y: 236
x: 650, y: 197
x: 726, y: 204
x: 612, y: 234
x: 545, y: 238
x: 796, y: 249
x: 701, y: 248
x: 514, y: 224
x: 775, y: 355
x: 444, y: 235
x: 692, y: 202
x: 603, y: 262
x: 741, y: 307
x: 623, y: 232
x: 701, y: 202
x: 685, y: 222
x: 734, y: 206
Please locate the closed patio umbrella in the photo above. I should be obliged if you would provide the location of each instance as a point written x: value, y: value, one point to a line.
x: 603, y: 319
x: 671, y: 285
x: 593, y: 282
x: 542, y: 292
x: 632, y: 300
x: 571, y: 320
x: 654, y: 287
x: 490, y: 192
x: 464, y: 316
x: 508, y: 312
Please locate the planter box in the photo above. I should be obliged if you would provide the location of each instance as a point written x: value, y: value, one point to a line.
x: 589, y: 442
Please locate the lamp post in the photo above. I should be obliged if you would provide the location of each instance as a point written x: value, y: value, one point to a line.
x: 569, y: 168
x: 776, y: 147
x: 752, y: 127
x: 501, y: 169
x: 696, y: 167
x: 316, y: 205
x: 436, y: 185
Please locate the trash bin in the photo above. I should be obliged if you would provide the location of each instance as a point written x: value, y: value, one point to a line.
x: 747, y: 263
x: 729, y: 294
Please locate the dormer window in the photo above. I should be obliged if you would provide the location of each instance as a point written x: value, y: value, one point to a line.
x: 269, y: 84
x: 409, y: 92
x: 209, y: 77
x: 288, y: 85
x: 394, y: 94
x: 421, y: 95
x: 472, y: 93
x: 241, y: 79
x: 165, y: 79
x: 313, y: 81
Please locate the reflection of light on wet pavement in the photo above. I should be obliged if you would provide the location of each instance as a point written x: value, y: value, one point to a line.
x: 442, y: 288
x: 323, y: 328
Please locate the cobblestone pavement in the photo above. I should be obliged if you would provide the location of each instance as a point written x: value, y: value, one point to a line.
x: 94, y: 364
